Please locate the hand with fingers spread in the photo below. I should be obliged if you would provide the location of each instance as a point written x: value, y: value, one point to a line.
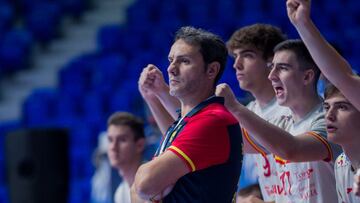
x: 151, y: 82
x: 298, y: 11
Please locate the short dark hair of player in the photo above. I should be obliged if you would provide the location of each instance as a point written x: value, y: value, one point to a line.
x: 127, y: 119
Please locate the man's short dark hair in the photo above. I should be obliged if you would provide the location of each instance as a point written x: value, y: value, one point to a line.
x: 212, y: 47
x: 127, y: 119
x: 302, y: 54
x: 331, y: 90
x: 263, y: 37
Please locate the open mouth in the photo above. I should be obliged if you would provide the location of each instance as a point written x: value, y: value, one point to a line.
x: 331, y: 128
x: 279, y: 90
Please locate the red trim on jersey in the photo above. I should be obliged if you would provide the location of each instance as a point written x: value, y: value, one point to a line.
x: 325, y: 142
x: 252, y: 143
x: 280, y: 160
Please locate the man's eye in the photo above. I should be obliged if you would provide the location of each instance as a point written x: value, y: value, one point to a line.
x: 248, y: 56
x: 185, y: 61
x: 343, y: 107
x: 326, y: 108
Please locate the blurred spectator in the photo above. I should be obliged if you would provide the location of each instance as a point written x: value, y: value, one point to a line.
x: 126, y: 140
x: 101, y: 191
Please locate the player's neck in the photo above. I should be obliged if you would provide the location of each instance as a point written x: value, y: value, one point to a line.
x: 264, y: 95
x: 353, y: 153
x: 128, y: 172
x: 302, y: 107
x: 188, y: 103
x: 263, y: 92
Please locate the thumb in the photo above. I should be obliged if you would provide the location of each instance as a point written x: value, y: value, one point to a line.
x: 220, y: 89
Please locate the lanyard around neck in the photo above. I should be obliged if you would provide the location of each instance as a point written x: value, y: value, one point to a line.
x: 170, y: 135
x: 173, y: 131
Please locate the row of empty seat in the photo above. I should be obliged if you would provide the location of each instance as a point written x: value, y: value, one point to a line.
x: 23, y: 23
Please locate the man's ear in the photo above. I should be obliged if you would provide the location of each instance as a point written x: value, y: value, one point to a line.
x: 309, y: 76
x: 269, y: 59
x: 140, y: 145
x: 268, y: 63
x: 213, y: 69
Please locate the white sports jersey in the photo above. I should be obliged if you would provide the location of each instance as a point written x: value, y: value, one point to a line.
x: 344, y: 176
x: 265, y: 161
x: 122, y: 193
x: 306, y: 182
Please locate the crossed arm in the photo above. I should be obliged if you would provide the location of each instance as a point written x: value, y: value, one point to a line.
x: 154, y: 180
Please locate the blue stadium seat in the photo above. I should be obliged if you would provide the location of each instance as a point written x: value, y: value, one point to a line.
x: 75, y: 8
x: 44, y: 29
x: 79, y: 191
x: 140, y: 13
x: 108, y: 70
x: 83, y: 138
x: 110, y: 38
x: 93, y: 106
x: 4, y: 198
x: 67, y: 106
x: 38, y: 108
x: 15, y: 49
x: 75, y: 78
x: 120, y: 101
x: 6, y: 16
x: 81, y: 167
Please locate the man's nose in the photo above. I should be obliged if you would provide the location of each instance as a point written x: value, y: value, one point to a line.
x: 330, y: 114
x: 238, y: 63
x: 273, y: 75
x: 172, y: 69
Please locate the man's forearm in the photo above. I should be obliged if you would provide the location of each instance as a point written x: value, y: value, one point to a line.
x: 170, y: 103
x: 331, y: 63
x: 134, y: 197
x: 161, y: 115
x: 273, y: 138
x: 335, y: 68
x: 296, y: 148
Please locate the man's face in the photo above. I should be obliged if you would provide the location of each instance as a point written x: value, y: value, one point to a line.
x: 286, y: 78
x: 342, y: 119
x: 186, y: 70
x: 251, y: 69
x: 123, y: 149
